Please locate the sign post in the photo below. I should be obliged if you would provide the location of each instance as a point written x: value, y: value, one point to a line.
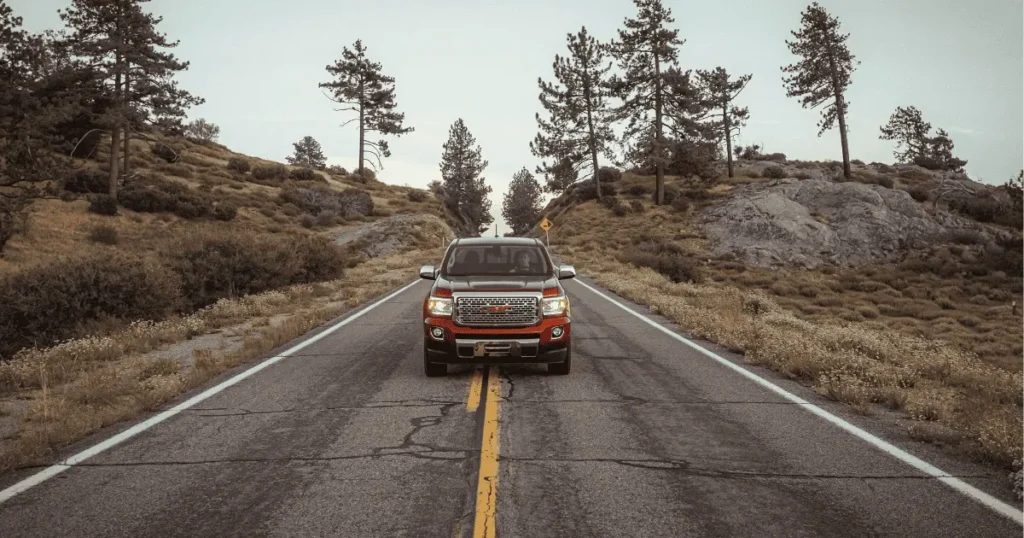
x: 546, y: 225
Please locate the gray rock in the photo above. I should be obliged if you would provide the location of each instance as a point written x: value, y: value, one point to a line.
x: 815, y: 222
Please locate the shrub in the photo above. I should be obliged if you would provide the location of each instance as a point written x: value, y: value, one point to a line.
x: 225, y: 211
x: 773, y: 157
x: 217, y: 266
x: 664, y: 257
x: 637, y: 206
x: 85, y: 181
x: 588, y: 190
x: 307, y: 221
x: 145, y: 199
x: 417, y: 196
x: 671, y: 193
x: 337, y: 170
x: 165, y: 196
x: 103, y: 204
x: 639, y: 190
x: 43, y: 304
x: 192, y: 207
x: 680, y: 204
x: 885, y: 181
x: 774, y: 172
x: 979, y: 209
x: 803, y: 176
x: 918, y: 193
x: 610, y: 201
x: 366, y: 175
x: 608, y: 174
x: 326, y: 219
x: 239, y: 164
x: 178, y: 169
x: 270, y: 172
x: 857, y: 161
x: 166, y: 153
x: 620, y: 210
x: 304, y: 174
x: 753, y: 174
x: 106, y: 235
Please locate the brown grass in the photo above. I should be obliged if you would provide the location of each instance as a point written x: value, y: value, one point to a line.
x: 76, y: 388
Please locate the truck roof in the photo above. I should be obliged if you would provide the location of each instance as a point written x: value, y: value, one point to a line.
x: 497, y: 241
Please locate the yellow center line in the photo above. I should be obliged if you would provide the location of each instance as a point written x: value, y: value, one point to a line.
x: 475, y: 386
x: 487, y: 484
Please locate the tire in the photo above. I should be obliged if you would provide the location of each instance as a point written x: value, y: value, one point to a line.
x: 433, y: 369
x: 562, y: 368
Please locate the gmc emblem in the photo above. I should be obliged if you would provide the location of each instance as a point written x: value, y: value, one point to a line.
x: 498, y: 309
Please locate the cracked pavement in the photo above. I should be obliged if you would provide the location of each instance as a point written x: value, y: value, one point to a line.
x: 645, y: 438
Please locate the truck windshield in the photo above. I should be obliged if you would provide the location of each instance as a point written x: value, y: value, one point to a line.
x: 497, y: 260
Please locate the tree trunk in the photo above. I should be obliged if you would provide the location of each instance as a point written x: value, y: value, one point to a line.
x: 841, y: 114
x: 362, y: 131
x: 115, y: 133
x: 590, y: 140
x: 127, y: 130
x: 728, y: 135
x: 659, y: 165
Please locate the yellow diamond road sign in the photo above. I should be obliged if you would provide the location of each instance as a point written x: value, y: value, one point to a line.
x: 545, y: 224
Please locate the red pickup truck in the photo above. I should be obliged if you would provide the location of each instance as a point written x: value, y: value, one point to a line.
x: 496, y: 300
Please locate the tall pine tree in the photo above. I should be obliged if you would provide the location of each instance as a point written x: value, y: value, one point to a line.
x: 521, y: 206
x: 465, y: 191
x: 823, y: 72
x: 720, y: 90
x: 120, y: 40
x: 579, y: 124
x: 359, y: 84
x: 646, y: 49
x: 308, y: 153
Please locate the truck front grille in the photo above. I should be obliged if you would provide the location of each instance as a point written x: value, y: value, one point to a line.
x: 496, y: 311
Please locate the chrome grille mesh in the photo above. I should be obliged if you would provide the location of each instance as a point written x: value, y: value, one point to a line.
x: 494, y: 311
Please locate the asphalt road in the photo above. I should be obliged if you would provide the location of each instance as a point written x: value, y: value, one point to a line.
x: 646, y: 437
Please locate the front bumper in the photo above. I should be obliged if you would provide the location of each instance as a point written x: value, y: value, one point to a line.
x: 461, y: 345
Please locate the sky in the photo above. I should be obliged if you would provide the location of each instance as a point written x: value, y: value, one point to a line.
x: 258, y: 62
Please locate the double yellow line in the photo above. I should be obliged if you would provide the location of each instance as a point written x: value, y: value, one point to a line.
x: 487, y: 481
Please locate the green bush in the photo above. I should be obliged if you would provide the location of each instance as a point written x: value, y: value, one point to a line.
x: 774, y: 172
x: 664, y: 257
x: 225, y: 211
x: 103, y: 204
x: 239, y: 164
x: 41, y: 305
x: 270, y: 172
x: 417, y: 196
x: 918, y: 193
x: 979, y: 209
x: 304, y: 174
x: 611, y: 201
x: 106, y: 235
x: 639, y: 190
x: 365, y: 176
x: 145, y: 199
x: 165, y: 196
x: 588, y: 190
x: 680, y: 204
x: 337, y: 170
x: 216, y: 266
x: 803, y: 175
x: 620, y: 210
x: 85, y: 181
x: 885, y: 181
x: 608, y: 174
x: 326, y: 219
x: 307, y: 221
x: 637, y: 206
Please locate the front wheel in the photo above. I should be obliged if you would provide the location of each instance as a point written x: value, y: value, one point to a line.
x: 562, y: 368
x: 433, y: 369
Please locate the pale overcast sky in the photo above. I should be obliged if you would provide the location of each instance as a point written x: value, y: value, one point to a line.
x: 258, y: 62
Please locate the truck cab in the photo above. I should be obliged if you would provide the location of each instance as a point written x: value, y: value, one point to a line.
x: 497, y: 300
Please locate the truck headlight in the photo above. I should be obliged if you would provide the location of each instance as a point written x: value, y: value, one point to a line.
x: 555, y: 306
x: 439, y: 306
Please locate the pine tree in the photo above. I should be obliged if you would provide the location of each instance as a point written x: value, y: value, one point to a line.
x: 939, y: 154
x: 646, y: 49
x: 202, y: 130
x: 720, y: 92
x: 823, y: 72
x: 120, y: 40
x: 360, y: 85
x: 521, y: 206
x: 462, y: 164
x: 910, y: 131
x: 308, y: 154
x: 580, y: 123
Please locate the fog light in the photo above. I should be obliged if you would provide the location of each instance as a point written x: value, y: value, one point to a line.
x: 556, y: 332
x: 437, y: 332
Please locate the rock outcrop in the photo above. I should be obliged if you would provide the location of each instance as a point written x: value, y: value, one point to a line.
x: 815, y: 222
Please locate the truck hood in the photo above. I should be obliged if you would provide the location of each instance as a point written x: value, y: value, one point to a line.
x: 494, y: 283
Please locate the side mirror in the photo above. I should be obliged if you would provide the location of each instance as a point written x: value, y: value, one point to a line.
x: 566, y: 271
x: 428, y: 272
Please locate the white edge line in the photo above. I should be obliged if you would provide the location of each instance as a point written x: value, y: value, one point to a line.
x: 98, y: 448
x: 957, y: 484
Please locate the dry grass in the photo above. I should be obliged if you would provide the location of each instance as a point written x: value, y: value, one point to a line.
x: 80, y: 386
x: 977, y: 402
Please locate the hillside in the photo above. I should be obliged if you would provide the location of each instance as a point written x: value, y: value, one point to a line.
x: 212, y: 259
x: 864, y: 289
